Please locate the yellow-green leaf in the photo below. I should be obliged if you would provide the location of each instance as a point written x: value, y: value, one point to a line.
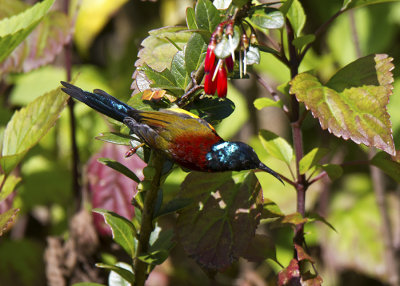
x: 276, y: 146
x: 311, y: 159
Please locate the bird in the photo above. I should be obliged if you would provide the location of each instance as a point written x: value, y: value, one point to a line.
x: 180, y: 135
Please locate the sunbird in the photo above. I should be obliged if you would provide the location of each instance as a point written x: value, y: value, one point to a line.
x: 182, y: 136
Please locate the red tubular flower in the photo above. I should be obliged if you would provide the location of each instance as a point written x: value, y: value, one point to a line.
x: 210, y: 86
x: 210, y: 56
x: 222, y: 81
x: 229, y: 63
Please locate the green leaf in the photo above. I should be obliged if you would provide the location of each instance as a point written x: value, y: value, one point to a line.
x: 159, y: 250
x: 267, y: 18
x: 302, y: 41
x: 195, y: 53
x: 353, y: 103
x: 271, y: 210
x: 191, y: 19
x: 178, y: 70
x: 212, y: 109
x: 276, y: 146
x: 29, y: 125
x: 14, y: 30
x: 124, y: 273
x: 311, y: 159
x: 9, y: 185
x: 123, y: 230
x: 164, y: 78
x: 240, y: 3
x: 334, y: 171
x: 117, y: 166
x: 384, y: 162
x: 116, y: 138
x: 6, y: 219
x: 252, y: 55
x: 115, y: 279
x: 314, y: 216
x: 92, y: 17
x: 173, y: 206
x: 292, y: 219
x: 157, y: 51
x: 286, y: 6
x: 216, y: 229
x: 225, y: 47
x: 207, y: 16
x: 260, y: 103
x: 297, y: 17
x: 349, y: 4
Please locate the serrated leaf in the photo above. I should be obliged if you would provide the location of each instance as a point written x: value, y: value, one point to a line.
x: 384, y: 162
x: 124, y: 273
x: 267, y: 18
x: 28, y: 125
x: 157, y: 52
x: 216, y: 229
x: 6, y: 219
x: 123, y: 231
x: 93, y: 15
x: 334, y: 171
x: 207, y: 16
x: 178, y: 70
x: 276, y: 146
x: 195, y: 53
x: 260, y: 248
x: 297, y: 17
x: 117, y: 166
x: 115, y: 138
x: 353, y: 103
x: 110, y: 189
x: 8, y: 186
x: 349, y: 4
x: 162, y: 80
x: 302, y: 41
x: 263, y: 102
x: 14, y: 30
x: 311, y: 159
x: 191, y: 19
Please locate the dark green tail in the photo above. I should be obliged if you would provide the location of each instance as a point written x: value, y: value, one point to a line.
x: 99, y: 100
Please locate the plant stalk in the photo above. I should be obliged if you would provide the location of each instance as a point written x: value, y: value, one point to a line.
x: 146, y: 228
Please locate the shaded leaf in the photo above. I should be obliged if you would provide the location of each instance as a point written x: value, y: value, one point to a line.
x: 260, y: 103
x: 87, y: 284
x: 384, y: 162
x: 260, y: 248
x: 311, y: 159
x: 276, y: 146
x: 195, y: 53
x: 173, y: 206
x: 216, y: 229
x: 92, y: 17
x: 159, y: 250
x: 117, y: 166
x: 268, y: 18
x: 207, y: 16
x: 8, y: 186
x: 28, y: 125
x: 290, y: 275
x: 110, y: 189
x: 115, y: 138
x: 356, y: 107
x: 124, y: 273
x: 212, y: 109
x: 123, y: 231
x: 14, y: 30
x: 334, y: 171
x: 6, y: 219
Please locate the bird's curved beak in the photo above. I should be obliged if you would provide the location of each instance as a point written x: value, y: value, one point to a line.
x: 268, y: 170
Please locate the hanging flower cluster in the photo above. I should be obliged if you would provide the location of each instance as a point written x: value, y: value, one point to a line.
x: 220, y: 56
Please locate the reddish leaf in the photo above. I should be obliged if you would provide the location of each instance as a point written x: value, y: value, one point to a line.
x: 353, y: 103
x: 110, y: 189
x: 309, y: 279
x: 290, y: 275
x: 41, y: 46
x: 6, y: 219
x: 301, y: 254
x: 218, y: 226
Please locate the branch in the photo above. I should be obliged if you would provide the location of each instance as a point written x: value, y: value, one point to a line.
x: 146, y: 228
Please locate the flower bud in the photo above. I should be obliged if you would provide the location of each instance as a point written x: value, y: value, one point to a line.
x: 210, y: 86
x: 222, y: 81
x: 210, y: 56
x: 229, y: 63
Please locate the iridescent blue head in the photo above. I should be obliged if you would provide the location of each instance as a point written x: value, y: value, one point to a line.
x: 235, y: 156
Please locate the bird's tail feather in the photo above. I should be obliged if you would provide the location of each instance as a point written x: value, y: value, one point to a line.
x: 99, y: 100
